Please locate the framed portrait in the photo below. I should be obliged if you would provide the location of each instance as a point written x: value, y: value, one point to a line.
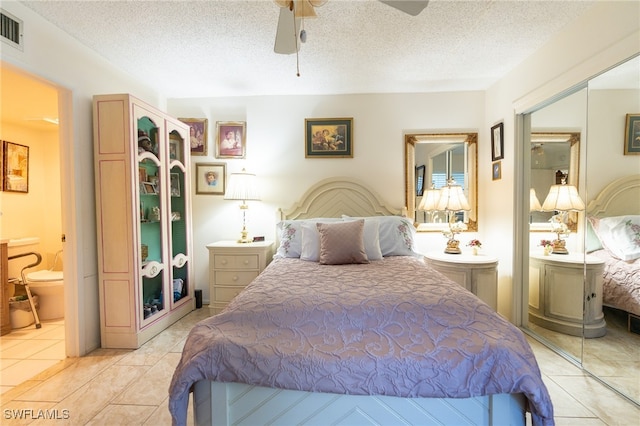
x: 497, y: 170
x: 329, y: 137
x: 175, y: 184
x: 197, y: 135
x: 148, y: 188
x: 175, y: 151
x: 632, y: 135
x: 420, y: 180
x: 15, y: 167
x: 497, y: 142
x: 211, y: 178
x: 231, y: 139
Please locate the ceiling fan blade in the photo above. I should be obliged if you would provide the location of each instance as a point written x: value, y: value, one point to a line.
x: 412, y: 7
x: 287, y: 33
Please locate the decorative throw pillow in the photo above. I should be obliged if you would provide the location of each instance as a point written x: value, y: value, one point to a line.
x: 592, y: 242
x: 311, y: 241
x: 342, y: 243
x: 620, y: 235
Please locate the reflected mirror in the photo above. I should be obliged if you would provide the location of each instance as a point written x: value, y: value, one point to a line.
x: 555, y: 157
x: 431, y: 160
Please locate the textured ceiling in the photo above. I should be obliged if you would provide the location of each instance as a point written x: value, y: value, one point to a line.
x: 189, y: 49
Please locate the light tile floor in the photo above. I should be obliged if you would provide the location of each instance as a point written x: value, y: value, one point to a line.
x: 129, y: 387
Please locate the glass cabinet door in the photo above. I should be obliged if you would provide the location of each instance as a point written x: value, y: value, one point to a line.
x: 178, y: 229
x: 152, y: 259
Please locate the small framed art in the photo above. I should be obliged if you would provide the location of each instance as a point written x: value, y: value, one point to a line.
x: 632, y: 135
x: 231, y: 139
x: 497, y: 170
x: 175, y: 184
x: 329, y: 137
x: 497, y: 142
x: 15, y: 167
x: 420, y: 180
x: 211, y: 178
x: 197, y: 135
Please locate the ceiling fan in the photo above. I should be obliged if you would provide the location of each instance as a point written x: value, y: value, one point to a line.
x: 292, y: 12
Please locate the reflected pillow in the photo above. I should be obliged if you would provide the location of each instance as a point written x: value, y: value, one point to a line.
x: 342, y: 243
x: 620, y: 235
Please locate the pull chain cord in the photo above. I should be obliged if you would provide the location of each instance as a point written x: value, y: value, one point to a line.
x: 295, y: 37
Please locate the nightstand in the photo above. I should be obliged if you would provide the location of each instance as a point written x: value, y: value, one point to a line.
x: 476, y: 273
x: 232, y: 266
x: 561, y: 287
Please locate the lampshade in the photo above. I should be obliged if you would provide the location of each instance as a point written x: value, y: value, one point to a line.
x: 534, y: 203
x: 452, y: 199
x: 563, y: 198
x: 242, y: 186
x: 429, y: 202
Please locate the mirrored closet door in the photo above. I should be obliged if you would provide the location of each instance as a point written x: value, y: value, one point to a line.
x: 581, y: 296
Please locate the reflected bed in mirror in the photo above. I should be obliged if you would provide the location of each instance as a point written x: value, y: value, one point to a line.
x: 444, y: 156
x: 554, y: 157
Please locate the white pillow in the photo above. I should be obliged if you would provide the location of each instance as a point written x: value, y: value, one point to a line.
x: 290, y: 235
x: 620, y: 235
x: 396, y: 234
x: 311, y: 241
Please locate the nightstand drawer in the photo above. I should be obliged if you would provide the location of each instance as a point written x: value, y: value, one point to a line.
x: 234, y: 277
x: 226, y: 294
x: 225, y: 261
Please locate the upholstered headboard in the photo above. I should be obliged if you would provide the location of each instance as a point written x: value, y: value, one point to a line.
x: 338, y: 196
x: 620, y: 197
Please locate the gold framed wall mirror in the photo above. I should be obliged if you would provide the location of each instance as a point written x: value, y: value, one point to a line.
x: 431, y: 160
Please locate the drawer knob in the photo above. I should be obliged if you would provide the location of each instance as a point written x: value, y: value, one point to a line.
x: 235, y: 278
x: 224, y: 261
x: 246, y: 262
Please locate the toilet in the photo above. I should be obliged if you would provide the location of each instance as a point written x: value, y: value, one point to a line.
x: 49, y: 286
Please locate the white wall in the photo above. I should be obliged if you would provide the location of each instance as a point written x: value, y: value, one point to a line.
x: 276, y: 153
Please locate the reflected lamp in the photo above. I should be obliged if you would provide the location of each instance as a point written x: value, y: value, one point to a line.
x: 243, y: 187
x: 429, y: 202
x: 562, y: 199
x: 453, y: 200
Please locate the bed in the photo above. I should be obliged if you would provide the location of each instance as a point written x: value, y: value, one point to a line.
x: 613, y: 235
x: 366, y: 334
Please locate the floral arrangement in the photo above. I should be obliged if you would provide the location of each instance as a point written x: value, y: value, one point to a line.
x: 474, y: 243
x: 546, y: 243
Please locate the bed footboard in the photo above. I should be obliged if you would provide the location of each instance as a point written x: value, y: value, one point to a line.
x: 238, y: 404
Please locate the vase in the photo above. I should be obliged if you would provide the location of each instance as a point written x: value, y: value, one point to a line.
x: 474, y: 250
x: 547, y: 250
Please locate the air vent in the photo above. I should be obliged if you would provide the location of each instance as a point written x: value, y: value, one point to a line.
x: 11, y: 29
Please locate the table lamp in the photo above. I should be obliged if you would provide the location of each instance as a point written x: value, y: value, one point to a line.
x: 242, y: 186
x: 562, y: 198
x: 429, y: 202
x: 452, y: 200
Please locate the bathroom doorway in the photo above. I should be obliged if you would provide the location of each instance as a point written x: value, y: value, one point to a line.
x: 31, y: 116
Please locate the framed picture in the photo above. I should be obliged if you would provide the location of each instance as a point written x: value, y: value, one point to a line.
x: 211, y: 178
x: 175, y: 184
x: 148, y: 188
x: 1, y: 165
x: 175, y: 153
x: 15, y: 167
x: 420, y: 180
x: 497, y: 142
x: 497, y: 170
x: 632, y: 135
x: 231, y: 139
x: 329, y: 137
x: 197, y: 135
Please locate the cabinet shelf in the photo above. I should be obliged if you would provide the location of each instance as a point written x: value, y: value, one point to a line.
x: 139, y: 191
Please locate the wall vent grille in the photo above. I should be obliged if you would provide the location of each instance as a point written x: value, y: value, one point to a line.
x: 11, y: 29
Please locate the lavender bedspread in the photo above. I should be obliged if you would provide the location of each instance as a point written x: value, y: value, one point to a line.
x: 621, y: 282
x: 392, y: 327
